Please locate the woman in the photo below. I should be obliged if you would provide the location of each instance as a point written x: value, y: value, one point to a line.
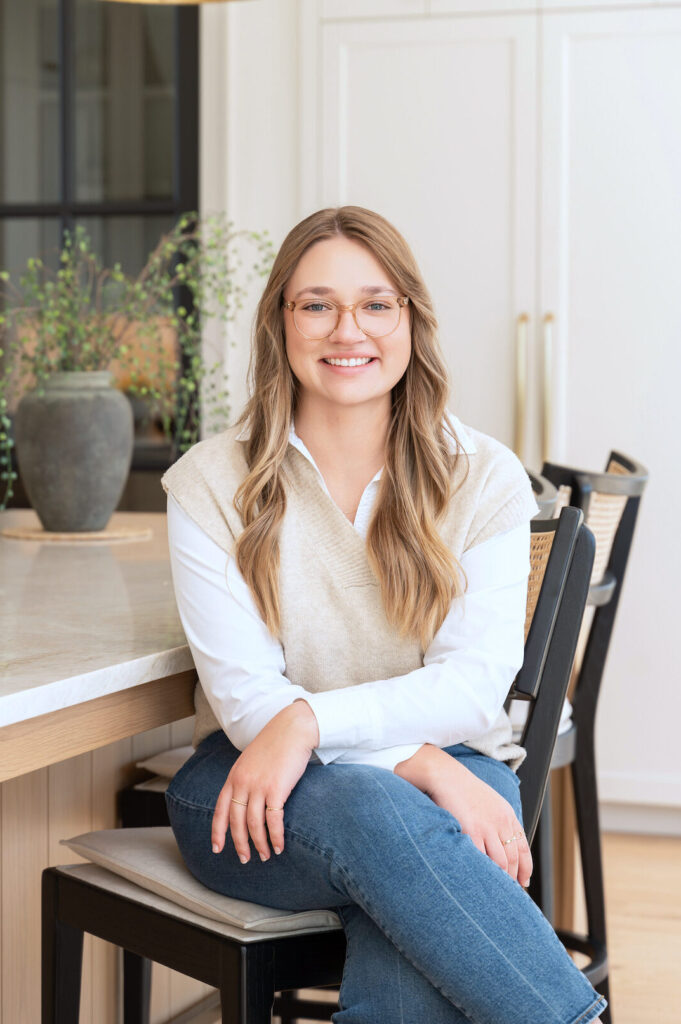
x: 351, y: 568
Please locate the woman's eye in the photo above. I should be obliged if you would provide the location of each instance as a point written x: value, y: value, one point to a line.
x: 315, y: 307
x: 377, y: 306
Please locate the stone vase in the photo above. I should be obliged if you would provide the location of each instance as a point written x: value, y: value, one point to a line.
x: 74, y: 447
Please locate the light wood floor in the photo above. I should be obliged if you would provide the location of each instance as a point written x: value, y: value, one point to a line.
x: 643, y: 898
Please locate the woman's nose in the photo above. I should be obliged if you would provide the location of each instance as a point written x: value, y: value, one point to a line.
x: 347, y: 329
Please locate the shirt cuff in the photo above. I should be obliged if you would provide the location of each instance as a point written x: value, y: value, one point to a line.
x: 344, y: 717
x: 387, y: 758
x: 328, y: 754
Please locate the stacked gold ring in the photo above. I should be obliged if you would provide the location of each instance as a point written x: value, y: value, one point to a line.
x: 514, y: 838
x: 244, y: 803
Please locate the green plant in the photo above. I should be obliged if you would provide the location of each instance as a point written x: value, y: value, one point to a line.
x: 147, y: 329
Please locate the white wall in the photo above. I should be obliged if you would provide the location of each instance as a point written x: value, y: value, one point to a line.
x: 249, y: 131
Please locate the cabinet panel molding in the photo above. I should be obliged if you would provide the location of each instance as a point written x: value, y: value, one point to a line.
x: 347, y: 9
x: 433, y: 124
x: 595, y: 5
x: 482, y: 6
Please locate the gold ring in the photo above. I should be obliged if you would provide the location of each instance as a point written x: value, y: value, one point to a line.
x: 273, y: 808
x: 244, y: 803
x: 514, y: 838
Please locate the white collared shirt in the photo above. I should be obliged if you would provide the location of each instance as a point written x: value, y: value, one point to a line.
x: 467, y: 669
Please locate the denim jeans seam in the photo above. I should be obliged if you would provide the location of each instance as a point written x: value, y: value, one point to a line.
x: 465, y: 912
x: 364, y: 902
x: 399, y: 985
x: 594, y: 1006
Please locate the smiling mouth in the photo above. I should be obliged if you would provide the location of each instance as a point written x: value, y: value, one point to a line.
x: 359, y: 361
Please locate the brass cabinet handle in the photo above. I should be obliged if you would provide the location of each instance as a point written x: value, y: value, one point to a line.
x: 520, y: 383
x: 547, y: 424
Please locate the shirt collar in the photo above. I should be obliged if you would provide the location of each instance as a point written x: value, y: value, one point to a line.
x: 300, y: 445
x: 464, y: 440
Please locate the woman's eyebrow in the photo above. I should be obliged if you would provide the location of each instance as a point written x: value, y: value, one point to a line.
x: 368, y: 289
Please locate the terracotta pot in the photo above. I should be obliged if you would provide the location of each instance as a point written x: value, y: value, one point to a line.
x: 74, y: 446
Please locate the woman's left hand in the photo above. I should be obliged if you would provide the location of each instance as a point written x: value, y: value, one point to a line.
x: 482, y: 813
x: 251, y: 802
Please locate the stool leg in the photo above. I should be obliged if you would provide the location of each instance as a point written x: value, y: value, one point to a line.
x: 247, y: 985
x: 62, y: 961
x: 136, y: 988
x: 588, y: 828
x: 285, y: 1001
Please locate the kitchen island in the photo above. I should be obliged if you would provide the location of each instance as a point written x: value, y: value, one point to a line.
x: 95, y: 674
x: 92, y: 648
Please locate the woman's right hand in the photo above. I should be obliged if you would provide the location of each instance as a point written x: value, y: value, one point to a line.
x: 483, y: 813
x: 251, y: 802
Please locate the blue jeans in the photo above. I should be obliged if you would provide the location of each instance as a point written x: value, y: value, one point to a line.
x: 436, y: 932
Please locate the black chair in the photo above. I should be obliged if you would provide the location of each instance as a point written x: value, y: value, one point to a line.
x: 610, y: 503
x: 248, y: 970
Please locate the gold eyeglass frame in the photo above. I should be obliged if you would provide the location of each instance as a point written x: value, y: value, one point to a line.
x: 402, y: 301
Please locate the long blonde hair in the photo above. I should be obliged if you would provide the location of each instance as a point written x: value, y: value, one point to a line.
x: 417, y: 573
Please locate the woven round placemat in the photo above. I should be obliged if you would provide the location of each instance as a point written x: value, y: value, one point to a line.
x: 114, y: 534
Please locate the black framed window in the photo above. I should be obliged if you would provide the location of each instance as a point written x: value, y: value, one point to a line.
x: 98, y: 126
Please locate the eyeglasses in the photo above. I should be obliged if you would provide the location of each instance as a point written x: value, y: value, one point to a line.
x: 376, y: 317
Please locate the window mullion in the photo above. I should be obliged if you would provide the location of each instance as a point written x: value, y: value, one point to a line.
x: 186, y: 184
x: 67, y: 109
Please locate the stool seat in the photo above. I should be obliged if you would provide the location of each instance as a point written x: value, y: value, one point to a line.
x: 565, y: 748
x: 101, y: 878
x: 150, y: 860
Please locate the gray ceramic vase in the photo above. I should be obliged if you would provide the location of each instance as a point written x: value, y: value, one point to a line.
x: 74, y: 446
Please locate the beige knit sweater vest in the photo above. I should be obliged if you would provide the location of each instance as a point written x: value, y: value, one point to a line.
x: 334, y: 631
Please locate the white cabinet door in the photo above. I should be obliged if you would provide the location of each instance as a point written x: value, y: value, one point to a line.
x: 610, y: 272
x: 431, y: 122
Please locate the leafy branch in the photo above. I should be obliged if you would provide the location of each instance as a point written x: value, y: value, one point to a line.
x: 85, y: 316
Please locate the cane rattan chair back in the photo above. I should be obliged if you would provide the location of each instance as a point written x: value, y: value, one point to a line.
x: 602, y: 497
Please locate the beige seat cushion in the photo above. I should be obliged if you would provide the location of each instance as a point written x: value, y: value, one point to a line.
x: 119, y: 886
x: 149, y: 857
x: 168, y: 762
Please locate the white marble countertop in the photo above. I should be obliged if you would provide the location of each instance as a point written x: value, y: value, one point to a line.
x: 79, y: 621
